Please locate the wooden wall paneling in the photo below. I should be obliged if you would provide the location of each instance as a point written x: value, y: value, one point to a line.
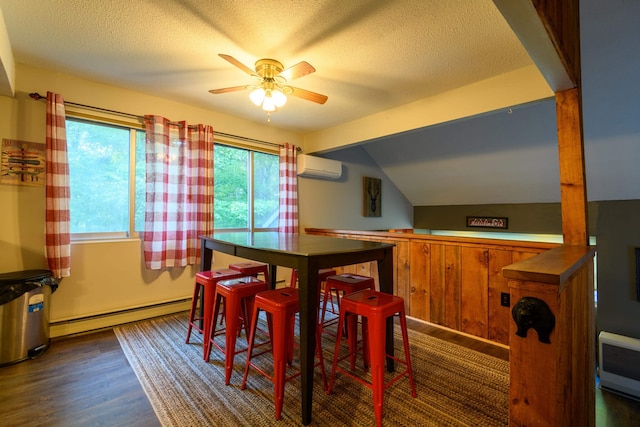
x: 532, y: 397
x: 402, y: 275
x: 499, y: 316
x: 420, y: 273
x: 441, y: 278
x: 474, y: 278
x: 453, y: 269
x: 437, y: 284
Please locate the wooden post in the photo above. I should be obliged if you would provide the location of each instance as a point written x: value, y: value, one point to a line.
x: 552, y: 368
x: 573, y: 188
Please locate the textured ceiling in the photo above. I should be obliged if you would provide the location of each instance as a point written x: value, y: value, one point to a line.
x: 369, y: 55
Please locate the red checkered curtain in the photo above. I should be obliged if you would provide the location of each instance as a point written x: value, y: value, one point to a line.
x: 288, y: 218
x: 179, y: 195
x: 58, y: 194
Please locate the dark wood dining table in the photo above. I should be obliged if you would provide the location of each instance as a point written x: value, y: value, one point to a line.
x: 307, y: 254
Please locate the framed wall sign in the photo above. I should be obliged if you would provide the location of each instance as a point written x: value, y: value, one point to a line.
x: 23, y: 163
x: 372, y: 196
x: 487, y: 222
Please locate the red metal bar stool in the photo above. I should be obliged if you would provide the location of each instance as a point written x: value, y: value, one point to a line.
x: 238, y: 295
x: 281, y: 306
x: 206, y: 283
x: 341, y: 285
x: 251, y: 268
x: 374, y: 307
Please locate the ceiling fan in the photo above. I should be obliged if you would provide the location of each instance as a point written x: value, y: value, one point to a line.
x: 271, y: 89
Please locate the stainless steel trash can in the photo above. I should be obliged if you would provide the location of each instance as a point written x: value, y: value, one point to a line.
x: 24, y: 314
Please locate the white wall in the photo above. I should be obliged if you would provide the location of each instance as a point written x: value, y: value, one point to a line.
x: 610, y: 36
x: 339, y: 204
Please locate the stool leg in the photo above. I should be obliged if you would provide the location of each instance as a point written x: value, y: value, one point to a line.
x: 327, y: 292
x: 232, y: 313
x: 280, y: 346
x: 209, y: 297
x: 407, y: 355
x: 320, y: 355
x: 250, y: 341
x: 216, y: 312
x: 377, y: 356
x: 366, y: 351
x: 336, y: 353
x: 352, y: 337
x: 192, y: 312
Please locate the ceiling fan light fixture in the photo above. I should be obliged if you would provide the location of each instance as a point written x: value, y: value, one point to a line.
x: 279, y: 97
x: 257, y: 96
x: 270, y: 93
x: 269, y: 103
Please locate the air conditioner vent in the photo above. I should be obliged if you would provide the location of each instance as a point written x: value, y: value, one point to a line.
x: 619, y: 367
x: 318, y: 167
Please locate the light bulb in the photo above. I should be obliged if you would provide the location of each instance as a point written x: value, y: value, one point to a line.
x: 278, y: 97
x: 269, y: 103
x: 257, y: 96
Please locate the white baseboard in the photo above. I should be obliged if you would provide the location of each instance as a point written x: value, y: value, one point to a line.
x: 107, y: 320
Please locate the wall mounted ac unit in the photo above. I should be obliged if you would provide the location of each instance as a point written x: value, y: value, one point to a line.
x: 619, y: 367
x: 318, y: 167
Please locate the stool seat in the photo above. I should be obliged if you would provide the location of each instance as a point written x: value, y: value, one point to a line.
x: 238, y: 295
x: 375, y: 308
x: 281, y: 306
x: 252, y: 268
x: 205, y: 285
x: 342, y: 284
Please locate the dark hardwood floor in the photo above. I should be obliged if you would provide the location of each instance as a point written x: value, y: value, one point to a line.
x: 86, y: 380
x: 83, y: 380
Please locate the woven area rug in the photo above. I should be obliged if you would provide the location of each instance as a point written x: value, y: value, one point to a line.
x: 455, y: 386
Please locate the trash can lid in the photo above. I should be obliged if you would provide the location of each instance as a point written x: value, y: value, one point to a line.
x: 23, y: 276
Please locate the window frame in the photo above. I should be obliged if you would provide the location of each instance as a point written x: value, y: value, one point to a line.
x: 252, y: 149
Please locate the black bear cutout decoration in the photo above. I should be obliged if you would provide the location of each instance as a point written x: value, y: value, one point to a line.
x: 531, y: 312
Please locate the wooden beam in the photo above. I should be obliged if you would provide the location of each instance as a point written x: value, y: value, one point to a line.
x: 573, y: 187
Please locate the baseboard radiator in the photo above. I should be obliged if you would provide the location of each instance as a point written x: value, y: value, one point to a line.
x: 107, y: 320
x: 618, y: 363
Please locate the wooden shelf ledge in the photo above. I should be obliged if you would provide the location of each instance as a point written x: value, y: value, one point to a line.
x: 554, y: 266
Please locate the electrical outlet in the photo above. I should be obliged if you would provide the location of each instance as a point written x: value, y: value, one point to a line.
x: 505, y: 299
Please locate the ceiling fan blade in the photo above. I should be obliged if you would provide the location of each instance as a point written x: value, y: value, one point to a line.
x: 301, y: 69
x: 308, y: 95
x: 227, y: 89
x: 238, y: 64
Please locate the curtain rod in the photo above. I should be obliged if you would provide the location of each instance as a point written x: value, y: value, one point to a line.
x: 38, y: 97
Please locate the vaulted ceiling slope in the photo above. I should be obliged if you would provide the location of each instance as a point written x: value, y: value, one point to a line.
x: 371, y: 56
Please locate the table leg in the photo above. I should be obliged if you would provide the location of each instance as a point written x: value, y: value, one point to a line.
x: 385, y: 275
x: 205, y: 264
x: 273, y: 270
x: 308, y: 299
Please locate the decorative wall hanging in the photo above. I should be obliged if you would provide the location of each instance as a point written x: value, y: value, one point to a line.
x: 372, y: 197
x: 533, y: 313
x: 487, y: 222
x: 23, y: 163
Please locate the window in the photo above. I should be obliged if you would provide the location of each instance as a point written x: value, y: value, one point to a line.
x: 107, y: 203
x: 246, y: 189
x: 99, y: 169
